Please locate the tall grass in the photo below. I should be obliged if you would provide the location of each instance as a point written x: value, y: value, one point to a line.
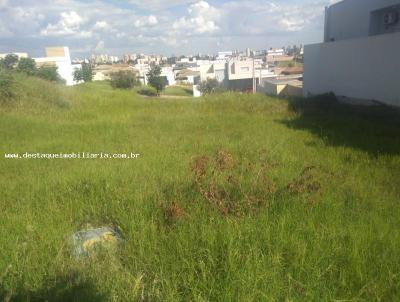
x: 234, y: 198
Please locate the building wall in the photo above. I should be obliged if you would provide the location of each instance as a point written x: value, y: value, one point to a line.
x: 238, y: 70
x: 57, y: 52
x: 291, y: 90
x: 366, y: 68
x: 350, y: 19
x: 212, y: 70
x: 240, y: 85
x: 268, y: 88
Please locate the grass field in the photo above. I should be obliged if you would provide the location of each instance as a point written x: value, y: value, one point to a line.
x: 233, y: 198
x: 178, y: 91
x: 290, y: 64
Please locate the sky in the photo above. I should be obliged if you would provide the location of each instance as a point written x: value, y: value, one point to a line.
x: 167, y: 27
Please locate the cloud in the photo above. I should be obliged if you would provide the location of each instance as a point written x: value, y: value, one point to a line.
x: 202, y: 18
x: 146, y: 21
x: 158, y: 5
x: 4, y: 32
x: 69, y: 24
x: 159, y: 25
x: 102, y: 25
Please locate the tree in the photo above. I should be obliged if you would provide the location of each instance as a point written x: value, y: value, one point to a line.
x: 78, y: 75
x: 48, y: 73
x: 123, y: 79
x: 210, y: 86
x: 87, y: 72
x: 10, y: 61
x: 84, y: 74
x: 27, y: 65
x: 6, y: 81
x: 155, y: 80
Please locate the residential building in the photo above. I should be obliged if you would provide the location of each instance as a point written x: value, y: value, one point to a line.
x: 213, y: 70
x: 275, y: 52
x: 359, y: 58
x: 222, y: 55
x: 168, y: 74
x: 248, y: 52
x: 186, y: 76
x: 245, y: 74
x: 143, y: 70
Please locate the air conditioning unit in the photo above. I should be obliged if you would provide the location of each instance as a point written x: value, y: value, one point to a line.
x: 391, y: 18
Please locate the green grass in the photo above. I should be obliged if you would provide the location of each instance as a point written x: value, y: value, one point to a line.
x: 234, y: 198
x: 178, y: 91
x: 290, y: 64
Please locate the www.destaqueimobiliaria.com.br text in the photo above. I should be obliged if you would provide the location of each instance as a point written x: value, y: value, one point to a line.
x: 72, y: 155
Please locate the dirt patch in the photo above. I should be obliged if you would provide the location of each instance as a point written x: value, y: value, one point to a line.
x: 239, y: 186
x: 307, y: 182
x: 232, y: 186
x: 172, y: 212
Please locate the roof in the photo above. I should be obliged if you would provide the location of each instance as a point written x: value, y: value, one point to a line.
x: 187, y: 72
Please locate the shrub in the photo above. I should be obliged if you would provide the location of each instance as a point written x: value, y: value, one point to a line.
x: 27, y: 65
x: 6, y: 81
x: 123, y: 79
x: 48, y: 73
x: 210, y: 86
x: 9, y: 61
x: 148, y: 91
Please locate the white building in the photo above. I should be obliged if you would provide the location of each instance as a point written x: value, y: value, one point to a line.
x: 143, y: 70
x: 169, y: 75
x: 213, y: 70
x: 276, y: 52
x: 224, y: 55
x: 59, y: 57
x: 359, y: 58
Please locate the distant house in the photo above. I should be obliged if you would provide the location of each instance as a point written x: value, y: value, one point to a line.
x: 359, y: 58
x: 222, y: 55
x: 169, y: 75
x: 245, y: 74
x: 104, y: 72
x: 274, y: 52
x: 60, y: 58
x: 186, y: 76
x: 213, y: 70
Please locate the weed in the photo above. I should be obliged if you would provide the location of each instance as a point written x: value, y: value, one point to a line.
x: 231, y: 187
x: 305, y: 183
x: 172, y: 212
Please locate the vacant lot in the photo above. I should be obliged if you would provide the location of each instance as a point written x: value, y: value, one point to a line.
x: 233, y: 198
